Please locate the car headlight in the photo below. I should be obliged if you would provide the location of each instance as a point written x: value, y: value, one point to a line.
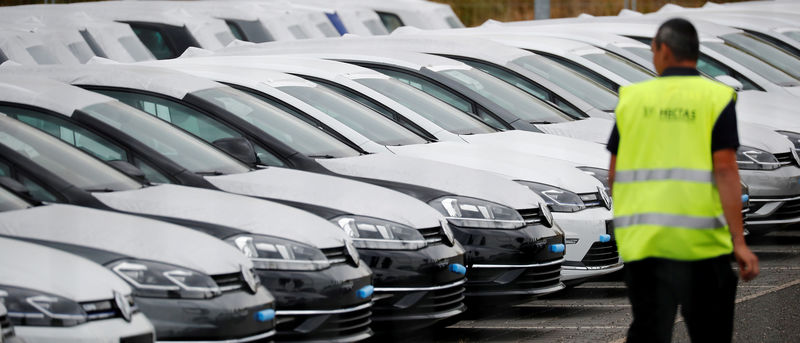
x: 161, y: 280
x: 475, y: 213
x: 599, y: 174
x: 372, y: 233
x: 755, y: 159
x: 794, y: 137
x: 27, y: 307
x: 559, y: 200
x: 274, y: 253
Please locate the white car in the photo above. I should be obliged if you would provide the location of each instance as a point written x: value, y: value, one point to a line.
x: 357, y: 18
x: 66, y: 298
x: 543, y: 175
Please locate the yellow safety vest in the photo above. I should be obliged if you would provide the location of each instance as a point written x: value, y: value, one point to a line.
x: 666, y: 203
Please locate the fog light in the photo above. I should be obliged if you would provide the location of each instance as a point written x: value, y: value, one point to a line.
x: 265, y: 315
x: 556, y: 248
x: 365, y: 292
x: 457, y: 268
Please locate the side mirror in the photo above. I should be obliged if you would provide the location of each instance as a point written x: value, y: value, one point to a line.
x: 240, y: 148
x: 730, y: 82
x: 14, y: 186
x: 129, y: 169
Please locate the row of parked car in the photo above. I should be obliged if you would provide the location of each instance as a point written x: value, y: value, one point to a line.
x: 232, y: 172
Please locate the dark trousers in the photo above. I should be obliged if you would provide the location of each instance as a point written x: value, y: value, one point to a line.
x: 705, y: 291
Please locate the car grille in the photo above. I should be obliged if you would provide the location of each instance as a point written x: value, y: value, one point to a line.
x: 432, y: 235
x: 336, y: 255
x: 532, y: 278
x: 532, y: 216
x: 143, y: 338
x: 334, y: 325
x: 789, y: 210
x: 435, y: 301
x: 105, y: 309
x: 229, y: 282
x: 601, y: 254
x: 592, y: 199
x: 786, y: 159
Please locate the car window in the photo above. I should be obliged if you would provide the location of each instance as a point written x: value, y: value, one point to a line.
x: 713, y: 68
x: 788, y: 48
x: 586, y: 88
x: 754, y: 64
x: 150, y: 172
x: 359, y: 118
x: 390, y: 20
x: 307, y: 139
x: 427, y: 106
x: 620, y: 66
x: 155, y: 41
x: 508, y: 97
x: 585, y: 72
x: 298, y: 32
x: 10, y: 202
x: 49, y: 153
x: 526, y: 85
x: 765, y: 52
x: 375, y: 27
x: 451, y: 98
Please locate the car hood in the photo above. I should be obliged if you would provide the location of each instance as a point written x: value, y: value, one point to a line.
x: 123, y: 234
x: 779, y: 111
x: 253, y: 215
x: 510, y: 164
x: 591, y: 129
x: 45, y: 269
x: 333, y: 192
x: 764, y: 138
x: 442, y: 176
x: 575, y: 151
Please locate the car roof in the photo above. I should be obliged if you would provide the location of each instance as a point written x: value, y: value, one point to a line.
x: 46, y: 93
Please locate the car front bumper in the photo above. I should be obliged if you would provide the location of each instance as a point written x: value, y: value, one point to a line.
x: 321, y: 305
x: 416, y: 288
x: 774, y: 198
x: 117, y: 330
x: 230, y: 317
x: 511, y: 262
x: 587, y: 256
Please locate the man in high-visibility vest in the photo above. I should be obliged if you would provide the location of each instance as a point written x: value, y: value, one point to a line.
x: 677, y: 196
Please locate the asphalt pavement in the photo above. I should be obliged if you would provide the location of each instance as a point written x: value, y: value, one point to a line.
x: 767, y: 309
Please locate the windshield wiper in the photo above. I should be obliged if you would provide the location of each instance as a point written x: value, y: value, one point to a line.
x: 211, y: 173
x: 541, y: 122
x: 100, y: 190
x: 321, y: 156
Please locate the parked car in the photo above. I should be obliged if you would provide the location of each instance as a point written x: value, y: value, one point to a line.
x: 319, y: 278
x: 414, y: 237
x: 54, y: 296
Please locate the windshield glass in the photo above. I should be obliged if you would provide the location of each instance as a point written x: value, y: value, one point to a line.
x: 363, y: 120
x: 51, y: 154
x: 514, y: 100
x: 644, y: 53
x: 588, y: 90
x: 10, y: 202
x: 442, y: 114
x: 616, y: 65
x: 766, y: 52
x: 306, y: 139
x: 183, y: 149
x: 757, y: 66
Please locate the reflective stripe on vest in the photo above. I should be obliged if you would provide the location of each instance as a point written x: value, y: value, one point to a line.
x: 666, y: 204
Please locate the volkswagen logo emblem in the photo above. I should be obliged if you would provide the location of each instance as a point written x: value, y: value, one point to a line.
x: 250, y: 279
x: 351, y: 250
x: 123, y: 305
x: 547, y: 216
x: 447, y: 232
x: 606, y: 199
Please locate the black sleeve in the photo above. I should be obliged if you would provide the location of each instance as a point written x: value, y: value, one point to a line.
x: 613, y: 141
x: 725, y: 134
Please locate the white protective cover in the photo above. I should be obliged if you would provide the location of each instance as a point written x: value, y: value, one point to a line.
x: 334, y: 192
x: 129, y: 235
x: 236, y: 211
x: 578, y: 152
x: 50, y: 270
x: 595, y: 130
x: 19, y: 86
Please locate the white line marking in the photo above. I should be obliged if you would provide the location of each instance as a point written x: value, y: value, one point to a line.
x: 608, y: 327
x: 575, y: 305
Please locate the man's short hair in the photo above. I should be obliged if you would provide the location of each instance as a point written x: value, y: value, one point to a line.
x: 681, y: 37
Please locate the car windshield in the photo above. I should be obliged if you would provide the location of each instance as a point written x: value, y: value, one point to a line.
x: 10, y: 202
x: 580, y: 86
x: 619, y: 66
x: 766, y: 52
x: 189, y: 152
x: 435, y: 110
x: 512, y: 99
x: 306, y: 139
x: 644, y: 53
x: 754, y: 64
x: 51, y: 154
x: 363, y: 120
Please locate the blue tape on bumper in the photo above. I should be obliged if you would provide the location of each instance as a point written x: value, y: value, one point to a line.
x: 605, y: 238
x: 745, y: 198
x: 457, y: 268
x: 557, y: 248
x: 265, y: 315
x: 365, y: 292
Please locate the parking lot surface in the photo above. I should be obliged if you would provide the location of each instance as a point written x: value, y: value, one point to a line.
x: 767, y: 309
